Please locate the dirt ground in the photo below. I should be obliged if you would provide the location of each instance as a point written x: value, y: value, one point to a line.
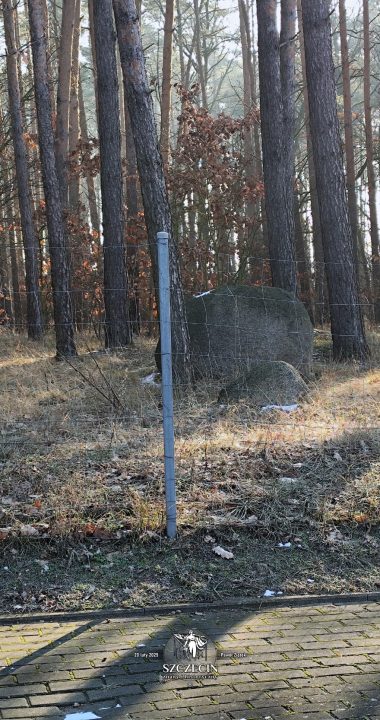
x: 294, y: 497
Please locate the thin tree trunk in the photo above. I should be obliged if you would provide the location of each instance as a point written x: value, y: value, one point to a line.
x: 287, y: 68
x: 132, y: 213
x: 94, y: 215
x: 249, y: 154
x: 320, y: 303
x: 16, y: 292
x: 346, y: 318
x: 375, y: 250
x: 199, y: 55
x: 60, y: 275
x: 278, y: 191
x: 166, y: 82
x: 93, y: 54
x: 30, y: 241
x: 117, y: 328
x: 154, y: 192
x: 303, y: 263
x: 6, y: 312
x: 264, y: 250
x: 63, y: 95
x: 348, y: 131
x: 74, y: 183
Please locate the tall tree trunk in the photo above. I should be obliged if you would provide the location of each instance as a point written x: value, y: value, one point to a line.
x: 320, y: 290
x: 249, y: 154
x: 264, y: 252
x: 117, y: 328
x: 375, y: 250
x: 166, y: 82
x: 63, y: 95
x: 94, y: 215
x: 74, y: 183
x: 278, y: 191
x: 30, y: 241
x: 16, y: 292
x: 303, y: 263
x: 287, y: 67
x: 348, y: 131
x: 132, y: 213
x: 60, y: 275
x: 6, y: 313
x: 154, y: 192
x: 346, y: 318
x: 199, y: 55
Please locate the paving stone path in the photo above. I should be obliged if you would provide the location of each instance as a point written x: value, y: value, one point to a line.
x: 305, y: 663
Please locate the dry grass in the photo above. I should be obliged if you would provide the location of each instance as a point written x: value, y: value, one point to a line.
x: 76, y: 468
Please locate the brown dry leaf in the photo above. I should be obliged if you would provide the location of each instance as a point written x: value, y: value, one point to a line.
x: 102, y: 534
x: 360, y: 517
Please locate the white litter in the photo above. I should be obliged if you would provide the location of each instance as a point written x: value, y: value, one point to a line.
x: 285, y: 545
x: 223, y: 553
x: 82, y: 716
x: 284, y: 408
x: 150, y: 380
x: 203, y: 294
x: 310, y: 581
x: 270, y: 593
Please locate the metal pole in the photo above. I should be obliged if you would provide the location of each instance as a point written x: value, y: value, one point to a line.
x: 167, y: 381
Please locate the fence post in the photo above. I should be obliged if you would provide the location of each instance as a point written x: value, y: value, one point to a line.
x: 167, y: 381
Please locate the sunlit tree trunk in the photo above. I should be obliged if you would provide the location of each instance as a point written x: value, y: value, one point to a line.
x: 60, y: 276
x: 349, y: 140
x: 117, y: 328
x: 6, y: 312
x: 166, y: 82
x: 346, y: 318
x: 249, y: 154
x: 152, y: 181
x: 30, y: 241
x: 370, y: 166
x: 94, y: 215
x: 63, y: 95
x: 278, y: 190
x: 320, y: 287
x: 74, y: 182
x: 303, y: 261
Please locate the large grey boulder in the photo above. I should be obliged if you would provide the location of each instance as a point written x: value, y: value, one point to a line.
x: 235, y: 326
x: 267, y: 383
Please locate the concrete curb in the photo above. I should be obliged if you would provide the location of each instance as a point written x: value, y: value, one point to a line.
x: 255, y: 603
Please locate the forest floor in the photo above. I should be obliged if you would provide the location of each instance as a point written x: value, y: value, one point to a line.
x: 295, y: 497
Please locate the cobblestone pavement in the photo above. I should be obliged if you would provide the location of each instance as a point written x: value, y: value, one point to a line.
x: 303, y: 663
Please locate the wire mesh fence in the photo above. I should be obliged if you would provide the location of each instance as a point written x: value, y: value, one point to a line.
x: 81, y: 440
